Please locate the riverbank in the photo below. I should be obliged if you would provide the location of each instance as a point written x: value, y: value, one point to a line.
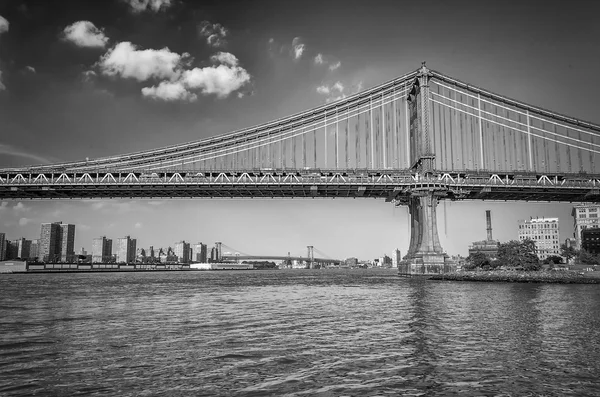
x: 514, y: 276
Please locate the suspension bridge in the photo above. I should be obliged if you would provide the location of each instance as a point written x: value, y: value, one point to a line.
x: 309, y: 259
x: 414, y: 140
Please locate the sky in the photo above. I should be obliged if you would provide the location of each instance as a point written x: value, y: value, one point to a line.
x: 98, y: 78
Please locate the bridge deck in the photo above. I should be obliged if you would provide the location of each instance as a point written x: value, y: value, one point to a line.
x: 387, y: 184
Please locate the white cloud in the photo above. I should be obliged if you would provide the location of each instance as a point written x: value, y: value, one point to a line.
x: 323, y: 90
x: 271, y: 40
x: 85, y: 34
x: 24, y: 221
x: 226, y: 58
x: 220, y: 80
x: 126, y: 61
x: 3, y: 25
x: 169, y: 91
x: 152, y: 5
x: 214, y: 33
x: 138, y: 225
x: 319, y: 59
x: 297, y: 48
x: 334, y: 66
x: 30, y: 69
x: 335, y: 92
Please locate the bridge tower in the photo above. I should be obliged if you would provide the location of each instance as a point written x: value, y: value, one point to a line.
x: 425, y: 254
x: 311, y: 256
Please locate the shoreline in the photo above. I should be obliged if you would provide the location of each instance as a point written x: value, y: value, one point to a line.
x: 512, y: 276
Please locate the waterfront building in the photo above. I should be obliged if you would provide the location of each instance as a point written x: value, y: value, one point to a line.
x: 585, y: 216
x: 34, y: 249
x: 101, y: 250
x: 140, y: 256
x: 2, y: 246
x: 201, y: 253
x: 396, y: 258
x: 23, y: 248
x: 12, y: 248
x: 590, y: 240
x: 183, y: 252
x: 219, y: 252
x: 67, y: 243
x: 49, y: 246
x: 125, y: 250
x: 544, y: 232
x: 489, y: 246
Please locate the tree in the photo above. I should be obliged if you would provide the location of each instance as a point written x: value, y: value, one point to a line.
x: 568, y: 252
x: 519, y: 254
x: 553, y: 259
x: 587, y: 258
x: 477, y: 260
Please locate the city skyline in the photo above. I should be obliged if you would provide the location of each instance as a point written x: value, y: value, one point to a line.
x: 292, y: 67
x: 104, y: 242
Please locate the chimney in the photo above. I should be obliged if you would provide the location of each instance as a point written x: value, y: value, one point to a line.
x: 488, y: 218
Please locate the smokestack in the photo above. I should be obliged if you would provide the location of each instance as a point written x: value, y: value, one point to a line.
x: 488, y: 218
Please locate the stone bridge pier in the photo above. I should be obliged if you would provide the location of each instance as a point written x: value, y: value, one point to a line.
x: 425, y: 254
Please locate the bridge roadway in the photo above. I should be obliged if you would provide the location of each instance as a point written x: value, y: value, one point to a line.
x: 389, y: 184
x: 279, y: 258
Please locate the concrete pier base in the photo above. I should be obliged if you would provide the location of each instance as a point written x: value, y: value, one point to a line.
x: 425, y: 254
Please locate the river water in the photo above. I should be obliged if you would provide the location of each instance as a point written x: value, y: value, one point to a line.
x: 294, y: 333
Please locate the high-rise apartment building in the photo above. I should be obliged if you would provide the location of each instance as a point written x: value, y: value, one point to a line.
x: 126, y: 249
x: 12, y: 249
x: 2, y: 246
x: 585, y: 216
x: 183, y: 252
x: 49, y: 246
x: 67, y: 243
x: 396, y: 258
x: 23, y: 248
x: 201, y: 253
x: 34, y: 249
x: 101, y: 250
x: 544, y: 232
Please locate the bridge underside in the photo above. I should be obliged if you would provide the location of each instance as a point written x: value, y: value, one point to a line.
x: 396, y: 186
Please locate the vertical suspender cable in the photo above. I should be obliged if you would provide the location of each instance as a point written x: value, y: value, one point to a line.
x: 303, y: 149
x: 407, y: 126
x: 529, y: 142
x: 395, y: 133
x: 347, y: 125
x: 384, y: 143
x: 480, y: 132
x: 371, y: 127
x: 357, y: 141
x: 337, y: 153
x: 325, y: 128
x: 315, y: 145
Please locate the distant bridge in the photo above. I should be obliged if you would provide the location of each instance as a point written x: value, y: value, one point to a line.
x: 280, y: 258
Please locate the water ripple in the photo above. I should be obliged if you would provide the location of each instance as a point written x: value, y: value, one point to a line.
x: 294, y: 333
